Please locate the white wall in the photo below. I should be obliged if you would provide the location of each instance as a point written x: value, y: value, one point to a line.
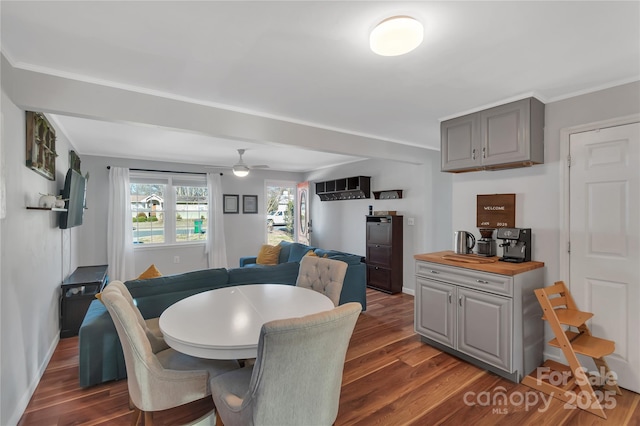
x: 340, y: 225
x: 244, y: 233
x: 36, y: 256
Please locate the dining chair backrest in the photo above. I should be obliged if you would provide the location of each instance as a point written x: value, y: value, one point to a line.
x: 157, y: 381
x: 154, y: 336
x: 323, y: 275
x: 297, y: 376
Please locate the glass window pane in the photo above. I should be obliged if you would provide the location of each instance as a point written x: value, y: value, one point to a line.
x: 147, y: 208
x: 191, y: 213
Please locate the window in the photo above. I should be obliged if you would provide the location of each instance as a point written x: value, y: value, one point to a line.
x: 168, y: 209
x: 280, y: 200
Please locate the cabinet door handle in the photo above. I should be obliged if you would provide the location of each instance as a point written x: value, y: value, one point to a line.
x: 484, y: 152
x: 433, y: 272
x: 449, y: 297
x: 377, y: 245
x: 460, y: 300
x: 473, y: 154
x: 482, y: 281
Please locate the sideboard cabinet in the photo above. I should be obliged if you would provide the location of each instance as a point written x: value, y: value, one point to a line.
x: 384, y: 253
x: 488, y: 319
x: 78, y: 291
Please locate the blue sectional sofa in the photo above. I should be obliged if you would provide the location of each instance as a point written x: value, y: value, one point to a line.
x: 100, y: 354
x: 354, y: 288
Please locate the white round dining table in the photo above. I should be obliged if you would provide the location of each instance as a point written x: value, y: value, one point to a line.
x: 225, y: 323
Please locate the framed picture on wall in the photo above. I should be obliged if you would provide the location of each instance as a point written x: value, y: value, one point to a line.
x: 41, y: 145
x: 249, y: 204
x: 230, y: 203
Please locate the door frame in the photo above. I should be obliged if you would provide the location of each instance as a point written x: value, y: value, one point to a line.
x: 565, y: 135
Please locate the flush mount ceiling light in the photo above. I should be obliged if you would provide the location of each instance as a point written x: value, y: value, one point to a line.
x: 396, y: 36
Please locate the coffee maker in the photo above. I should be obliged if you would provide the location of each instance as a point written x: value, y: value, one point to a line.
x: 516, y: 244
x: 486, y: 245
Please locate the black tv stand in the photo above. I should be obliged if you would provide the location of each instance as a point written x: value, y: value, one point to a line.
x: 77, y: 293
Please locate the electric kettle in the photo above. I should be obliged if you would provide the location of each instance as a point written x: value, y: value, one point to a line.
x: 463, y: 242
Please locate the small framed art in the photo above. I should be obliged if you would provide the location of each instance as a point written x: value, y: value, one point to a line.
x: 230, y: 203
x: 249, y: 204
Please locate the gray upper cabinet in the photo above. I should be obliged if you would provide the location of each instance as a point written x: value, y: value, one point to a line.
x: 506, y: 136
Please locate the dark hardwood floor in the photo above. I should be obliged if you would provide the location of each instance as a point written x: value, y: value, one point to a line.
x: 390, y: 378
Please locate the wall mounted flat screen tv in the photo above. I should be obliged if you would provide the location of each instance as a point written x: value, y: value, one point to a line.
x: 73, y: 193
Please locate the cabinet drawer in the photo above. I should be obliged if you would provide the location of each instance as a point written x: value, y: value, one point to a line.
x: 379, y: 255
x: 379, y: 277
x: 379, y: 233
x: 494, y: 283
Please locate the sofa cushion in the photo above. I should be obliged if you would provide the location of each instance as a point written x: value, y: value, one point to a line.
x: 350, y: 259
x: 298, y: 251
x: 205, y: 278
x: 327, y: 253
x: 284, y: 273
x: 285, y: 250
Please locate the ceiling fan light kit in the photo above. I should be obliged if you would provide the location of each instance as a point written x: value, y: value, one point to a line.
x: 240, y: 170
x: 396, y: 36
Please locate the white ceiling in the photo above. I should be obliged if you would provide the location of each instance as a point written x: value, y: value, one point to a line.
x: 308, y: 62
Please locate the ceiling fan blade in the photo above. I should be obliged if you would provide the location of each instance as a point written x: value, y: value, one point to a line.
x: 260, y: 166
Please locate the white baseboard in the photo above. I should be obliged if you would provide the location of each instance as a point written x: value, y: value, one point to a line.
x: 409, y: 291
x: 26, y: 397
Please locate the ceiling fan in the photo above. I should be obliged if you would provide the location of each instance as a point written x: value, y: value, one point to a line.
x: 241, y: 169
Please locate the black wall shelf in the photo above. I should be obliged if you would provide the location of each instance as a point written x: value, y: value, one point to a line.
x: 53, y: 209
x: 351, y: 188
x: 389, y: 194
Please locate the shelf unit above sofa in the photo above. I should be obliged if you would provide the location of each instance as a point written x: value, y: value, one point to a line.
x: 351, y: 188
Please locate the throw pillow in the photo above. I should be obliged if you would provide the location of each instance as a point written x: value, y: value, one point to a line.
x: 268, y: 255
x: 298, y: 251
x: 151, y: 272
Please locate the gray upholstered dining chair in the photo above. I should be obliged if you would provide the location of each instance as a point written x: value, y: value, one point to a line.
x: 325, y: 276
x: 297, y: 375
x: 151, y: 326
x: 156, y: 379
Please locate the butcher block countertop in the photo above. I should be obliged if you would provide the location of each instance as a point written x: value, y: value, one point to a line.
x: 479, y: 263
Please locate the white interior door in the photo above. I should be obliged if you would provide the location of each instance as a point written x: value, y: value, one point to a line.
x: 605, y: 237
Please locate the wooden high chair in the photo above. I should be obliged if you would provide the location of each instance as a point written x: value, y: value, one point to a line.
x: 572, y: 383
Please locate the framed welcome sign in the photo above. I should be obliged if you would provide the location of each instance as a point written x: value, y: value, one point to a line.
x: 496, y: 211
